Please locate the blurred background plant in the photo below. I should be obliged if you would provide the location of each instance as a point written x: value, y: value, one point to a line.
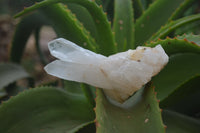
x: 106, y: 27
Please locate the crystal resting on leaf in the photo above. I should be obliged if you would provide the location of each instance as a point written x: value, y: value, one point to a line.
x: 119, y: 75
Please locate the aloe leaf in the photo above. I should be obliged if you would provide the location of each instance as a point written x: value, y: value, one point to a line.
x: 12, y: 7
x: 72, y: 87
x: 84, y: 17
x: 188, y: 29
x: 178, y: 123
x: 173, y: 25
x: 45, y: 110
x: 191, y: 37
x: 179, y: 11
x: 140, y: 114
x: 109, y: 9
x: 23, y: 30
x: 175, y: 45
x: 138, y: 9
x: 106, y: 3
x: 67, y: 26
x: 99, y: 2
x: 182, y: 97
x: 151, y: 21
x: 81, y: 89
x: 105, y: 37
x: 123, y: 25
x: 10, y: 72
x: 88, y: 94
x: 146, y: 3
x: 177, y: 71
x: 89, y: 128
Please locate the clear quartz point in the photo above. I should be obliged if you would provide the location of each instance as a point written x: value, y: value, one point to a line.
x: 119, y: 75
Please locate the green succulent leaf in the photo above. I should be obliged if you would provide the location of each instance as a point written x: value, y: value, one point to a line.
x: 175, y: 73
x: 81, y: 89
x: 177, y: 83
x: 182, y: 97
x: 173, y: 25
x: 67, y: 26
x: 123, y: 25
x: 146, y: 3
x: 105, y: 38
x: 106, y: 4
x: 23, y: 31
x: 191, y: 37
x: 151, y: 21
x: 84, y: 17
x: 10, y: 72
x: 181, y: 9
x: 45, y: 110
x: 138, y: 9
x: 89, y: 128
x: 140, y: 114
x: 99, y: 2
x: 178, y: 123
x: 72, y: 87
x: 88, y: 92
x: 175, y: 45
x: 187, y: 29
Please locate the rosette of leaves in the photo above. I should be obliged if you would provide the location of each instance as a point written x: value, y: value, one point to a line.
x: 170, y: 103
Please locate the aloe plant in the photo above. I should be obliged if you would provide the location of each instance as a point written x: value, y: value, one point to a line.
x: 168, y: 103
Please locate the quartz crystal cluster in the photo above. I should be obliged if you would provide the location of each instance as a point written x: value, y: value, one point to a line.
x: 119, y: 75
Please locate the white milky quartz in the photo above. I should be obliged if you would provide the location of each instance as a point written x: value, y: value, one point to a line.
x: 120, y: 75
